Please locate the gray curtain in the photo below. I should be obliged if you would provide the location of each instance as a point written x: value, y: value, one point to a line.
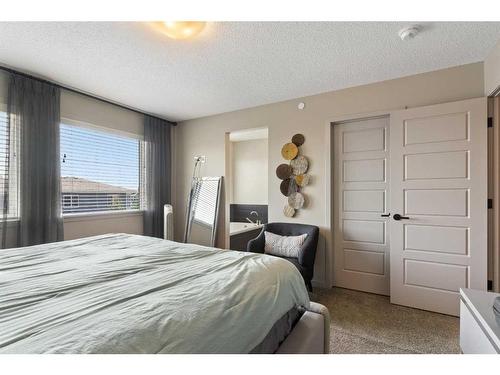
x: 157, y: 152
x: 34, y: 115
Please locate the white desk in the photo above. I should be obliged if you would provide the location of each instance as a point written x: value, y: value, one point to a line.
x: 479, y: 325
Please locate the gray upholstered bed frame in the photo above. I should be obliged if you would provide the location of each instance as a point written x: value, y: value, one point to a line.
x: 311, y: 334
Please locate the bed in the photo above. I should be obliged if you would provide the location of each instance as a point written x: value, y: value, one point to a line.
x: 121, y: 293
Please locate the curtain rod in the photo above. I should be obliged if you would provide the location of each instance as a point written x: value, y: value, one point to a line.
x: 67, y: 88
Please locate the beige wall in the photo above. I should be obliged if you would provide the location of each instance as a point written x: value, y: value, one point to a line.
x: 249, y: 167
x: 492, y: 70
x: 93, y: 225
x: 79, y: 108
x: 206, y: 136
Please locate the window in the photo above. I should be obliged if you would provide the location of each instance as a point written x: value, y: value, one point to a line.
x: 100, y: 171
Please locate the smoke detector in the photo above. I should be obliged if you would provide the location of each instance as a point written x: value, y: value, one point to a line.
x: 409, y: 32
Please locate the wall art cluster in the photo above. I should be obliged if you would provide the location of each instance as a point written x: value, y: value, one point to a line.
x: 293, y: 175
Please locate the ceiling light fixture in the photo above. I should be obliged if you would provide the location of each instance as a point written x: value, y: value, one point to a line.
x: 183, y: 29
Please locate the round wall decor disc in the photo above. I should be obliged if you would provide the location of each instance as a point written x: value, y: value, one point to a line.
x: 283, y: 171
x: 289, y: 151
x: 299, y: 165
x: 288, y: 186
x: 296, y: 200
x: 302, y: 179
x: 288, y: 211
x: 298, y: 140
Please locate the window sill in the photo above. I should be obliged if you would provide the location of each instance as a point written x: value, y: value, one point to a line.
x: 11, y: 222
x: 69, y: 218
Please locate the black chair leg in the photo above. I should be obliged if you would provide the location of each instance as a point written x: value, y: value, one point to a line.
x: 309, y: 286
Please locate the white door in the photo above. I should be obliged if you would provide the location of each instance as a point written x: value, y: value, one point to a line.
x: 439, y: 187
x: 361, y: 196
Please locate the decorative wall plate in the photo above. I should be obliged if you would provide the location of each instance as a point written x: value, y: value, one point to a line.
x: 299, y: 165
x: 302, y: 180
x: 289, y: 151
x: 288, y: 211
x: 293, y: 175
x: 296, y: 200
x: 298, y: 140
x: 283, y: 171
x: 288, y: 186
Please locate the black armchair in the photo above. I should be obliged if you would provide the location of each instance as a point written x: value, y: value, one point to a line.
x: 307, y: 254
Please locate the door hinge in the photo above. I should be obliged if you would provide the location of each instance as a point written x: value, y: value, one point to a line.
x: 490, y: 284
x: 490, y: 122
x: 490, y: 203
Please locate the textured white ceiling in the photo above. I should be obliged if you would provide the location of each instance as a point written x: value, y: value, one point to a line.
x: 233, y: 65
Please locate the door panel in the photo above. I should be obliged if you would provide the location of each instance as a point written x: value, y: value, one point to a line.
x: 438, y: 175
x: 364, y: 201
x: 435, y: 275
x: 371, y: 170
x: 436, y: 165
x: 361, y: 180
x: 431, y: 129
x: 364, y: 231
x: 437, y: 238
x: 364, y: 261
x: 363, y: 140
x: 439, y: 202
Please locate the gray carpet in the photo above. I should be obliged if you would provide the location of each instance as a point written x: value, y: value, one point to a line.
x: 368, y: 323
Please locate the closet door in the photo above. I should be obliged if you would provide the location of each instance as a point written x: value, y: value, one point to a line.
x: 361, y: 180
x: 439, y: 195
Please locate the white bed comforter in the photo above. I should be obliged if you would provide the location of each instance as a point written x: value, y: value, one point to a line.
x: 122, y: 293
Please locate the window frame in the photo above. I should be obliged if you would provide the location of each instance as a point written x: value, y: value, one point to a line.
x: 75, y: 216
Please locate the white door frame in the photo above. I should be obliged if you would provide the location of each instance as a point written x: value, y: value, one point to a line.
x: 329, y: 191
x: 494, y: 225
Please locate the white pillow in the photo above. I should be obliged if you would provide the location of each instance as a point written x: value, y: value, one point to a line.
x: 283, y: 246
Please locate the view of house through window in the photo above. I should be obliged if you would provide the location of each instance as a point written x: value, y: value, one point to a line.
x: 100, y: 171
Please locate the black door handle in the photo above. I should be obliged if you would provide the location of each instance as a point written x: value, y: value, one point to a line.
x: 399, y: 217
x: 385, y: 215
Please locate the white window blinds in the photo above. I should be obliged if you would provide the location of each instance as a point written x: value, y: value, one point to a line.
x: 100, y: 171
x: 8, y: 170
x: 4, y: 153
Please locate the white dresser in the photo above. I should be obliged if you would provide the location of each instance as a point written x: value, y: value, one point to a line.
x: 479, y: 325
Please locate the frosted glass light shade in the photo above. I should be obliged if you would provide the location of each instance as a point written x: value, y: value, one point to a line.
x: 183, y: 29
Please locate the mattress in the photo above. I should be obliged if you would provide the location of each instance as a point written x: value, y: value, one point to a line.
x: 121, y: 293
x: 279, y: 332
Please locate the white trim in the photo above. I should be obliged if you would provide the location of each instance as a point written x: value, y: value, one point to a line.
x: 75, y: 217
x: 11, y: 222
x: 495, y: 161
x: 228, y: 188
x: 87, y: 216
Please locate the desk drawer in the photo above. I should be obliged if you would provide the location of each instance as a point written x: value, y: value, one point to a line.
x: 473, y: 340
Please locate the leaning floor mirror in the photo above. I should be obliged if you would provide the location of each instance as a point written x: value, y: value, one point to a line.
x: 202, y: 213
